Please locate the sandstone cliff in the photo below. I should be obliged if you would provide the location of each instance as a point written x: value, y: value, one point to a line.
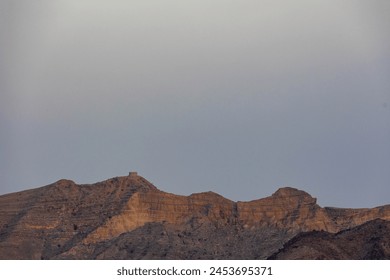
x: 128, y: 217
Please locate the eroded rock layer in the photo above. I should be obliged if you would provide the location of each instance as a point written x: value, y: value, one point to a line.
x: 128, y: 217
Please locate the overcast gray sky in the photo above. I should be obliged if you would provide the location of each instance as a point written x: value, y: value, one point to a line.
x: 238, y: 97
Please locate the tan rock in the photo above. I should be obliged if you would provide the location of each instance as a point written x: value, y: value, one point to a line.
x: 70, y: 220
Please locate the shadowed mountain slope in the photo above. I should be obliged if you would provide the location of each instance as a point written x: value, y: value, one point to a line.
x: 370, y: 241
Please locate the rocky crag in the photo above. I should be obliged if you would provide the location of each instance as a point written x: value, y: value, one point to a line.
x: 129, y: 218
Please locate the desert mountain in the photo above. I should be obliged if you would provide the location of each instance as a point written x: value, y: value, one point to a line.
x: 369, y: 241
x: 129, y: 218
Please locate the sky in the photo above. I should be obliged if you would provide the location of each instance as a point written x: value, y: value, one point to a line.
x: 236, y: 97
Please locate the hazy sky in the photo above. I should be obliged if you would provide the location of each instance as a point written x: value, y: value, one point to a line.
x: 238, y: 97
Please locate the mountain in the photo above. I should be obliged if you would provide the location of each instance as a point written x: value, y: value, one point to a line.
x: 129, y: 218
x: 370, y: 241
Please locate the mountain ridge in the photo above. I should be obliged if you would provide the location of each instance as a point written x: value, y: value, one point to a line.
x: 64, y: 219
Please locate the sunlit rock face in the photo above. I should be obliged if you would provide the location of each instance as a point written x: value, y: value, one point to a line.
x: 129, y: 218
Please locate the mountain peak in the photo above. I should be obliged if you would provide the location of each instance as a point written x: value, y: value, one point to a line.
x: 64, y: 182
x: 67, y: 220
x: 290, y: 192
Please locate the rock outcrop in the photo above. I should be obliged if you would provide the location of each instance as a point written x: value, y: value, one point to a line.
x: 128, y: 217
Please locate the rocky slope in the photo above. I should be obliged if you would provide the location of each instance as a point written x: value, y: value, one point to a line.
x: 370, y: 241
x: 129, y: 218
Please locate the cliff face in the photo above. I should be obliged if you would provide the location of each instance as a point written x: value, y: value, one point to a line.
x: 117, y: 218
x: 297, y: 210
